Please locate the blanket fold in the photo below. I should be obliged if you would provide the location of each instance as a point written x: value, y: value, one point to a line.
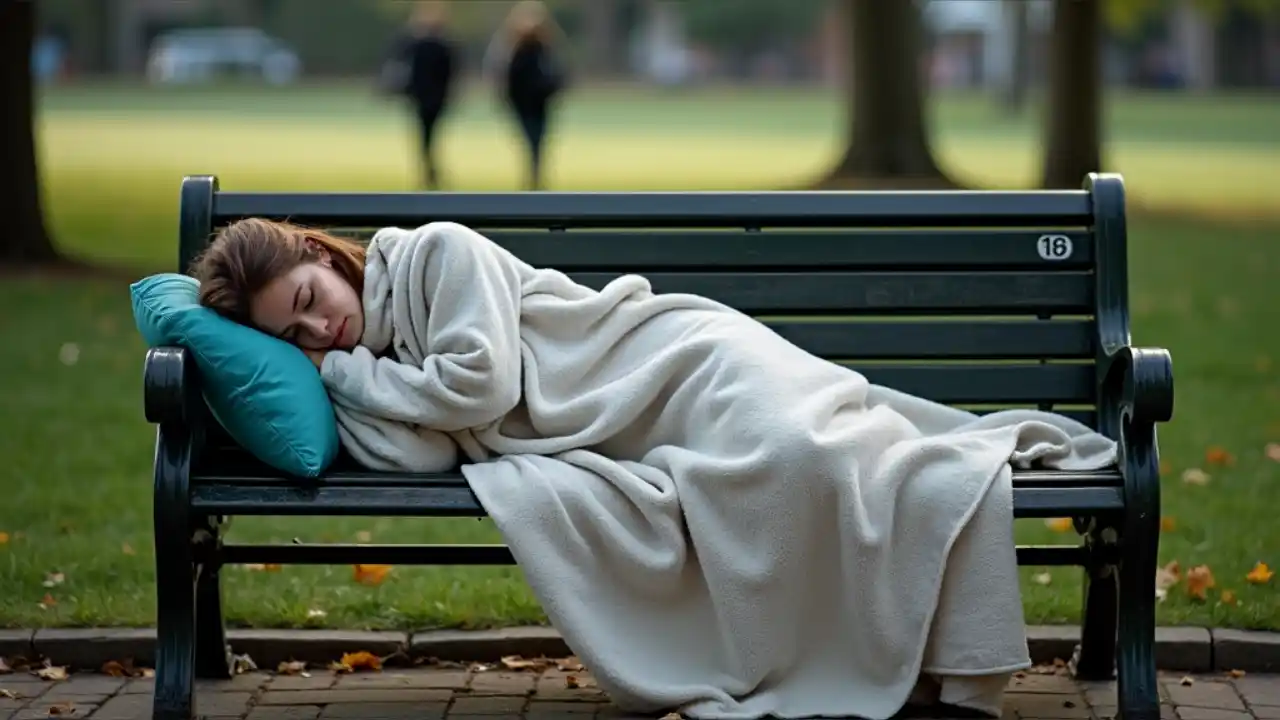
x: 717, y: 521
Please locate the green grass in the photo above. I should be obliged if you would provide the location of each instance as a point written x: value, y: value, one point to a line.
x: 75, y: 485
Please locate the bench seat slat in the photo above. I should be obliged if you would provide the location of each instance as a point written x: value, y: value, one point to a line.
x: 646, y: 250
x: 896, y: 293
x: 458, y: 501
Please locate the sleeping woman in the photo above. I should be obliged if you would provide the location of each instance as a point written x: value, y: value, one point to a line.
x: 717, y: 521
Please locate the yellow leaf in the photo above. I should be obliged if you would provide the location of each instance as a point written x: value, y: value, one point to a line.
x: 1195, y: 476
x: 1228, y: 597
x: 1260, y: 574
x: 371, y: 574
x: 362, y: 659
x: 1168, y: 524
x: 113, y: 668
x: 1058, y: 524
x: 1273, y: 453
x: 1199, y: 580
x: 260, y: 567
x: 1165, y: 467
x: 4, y: 538
x: 127, y: 549
x: 1237, y: 674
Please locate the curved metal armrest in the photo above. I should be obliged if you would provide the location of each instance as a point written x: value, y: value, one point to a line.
x: 170, y: 386
x: 1146, y: 376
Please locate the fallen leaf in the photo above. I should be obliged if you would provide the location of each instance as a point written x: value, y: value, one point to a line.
x: 66, y: 707
x: 515, y: 662
x: 146, y: 673
x: 127, y: 549
x: 362, y: 659
x: 338, y: 667
x: 316, y: 613
x: 1260, y: 574
x: 1227, y: 597
x: 292, y: 667
x: 371, y: 574
x: 479, y: 667
x: 1187, y: 681
x: 1236, y: 673
x: 52, y: 673
x: 9, y: 694
x: 4, y: 538
x: 1195, y: 476
x: 570, y: 664
x: 1167, y: 577
x: 4, y: 667
x: 263, y: 567
x: 1168, y: 524
x: 1058, y: 524
x: 69, y: 354
x: 54, y: 579
x: 364, y: 536
x: 1216, y: 455
x: 571, y: 682
x: 672, y: 716
x: 241, y: 664
x: 1272, y: 451
x: 1165, y: 467
x: 1199, y: 580
x: 113, y: 668
x: 1043, y: 578
x: 47, y: 601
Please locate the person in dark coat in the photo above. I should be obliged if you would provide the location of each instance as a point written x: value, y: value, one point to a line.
x: 424, y: 69
x: 531, y: 76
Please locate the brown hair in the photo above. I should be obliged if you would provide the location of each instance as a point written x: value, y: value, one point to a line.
x: 248, y: 254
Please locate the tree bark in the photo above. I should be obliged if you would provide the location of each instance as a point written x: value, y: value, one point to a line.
x: 24, y: 241
x: 1019, y: 81
x: 1073, y: 146
x: 887, y: 141
x: 602, y: 37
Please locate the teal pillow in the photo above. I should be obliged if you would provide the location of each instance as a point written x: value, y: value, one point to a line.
x: 264, y: 391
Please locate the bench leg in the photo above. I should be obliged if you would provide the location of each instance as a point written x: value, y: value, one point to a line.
x: 213, y: 655
x: 1137, y: 694
x: 175, y: 582
x: 1095, y: 657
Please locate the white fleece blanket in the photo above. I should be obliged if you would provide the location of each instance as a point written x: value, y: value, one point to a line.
x: 716, y: 521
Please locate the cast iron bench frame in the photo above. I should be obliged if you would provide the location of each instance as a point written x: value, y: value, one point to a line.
x: 1057, y: 258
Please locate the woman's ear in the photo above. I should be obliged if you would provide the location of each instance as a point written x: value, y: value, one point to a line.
x: 322, y: 253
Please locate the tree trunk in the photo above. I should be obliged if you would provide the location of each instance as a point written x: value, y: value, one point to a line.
x: 887, y: 141
x: 602, y: 37
x: 1019, y: 81
x: 1073, y: 147
x: 24, y: 240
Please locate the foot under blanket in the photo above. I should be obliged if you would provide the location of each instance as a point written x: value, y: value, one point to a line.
x: 717, y: 521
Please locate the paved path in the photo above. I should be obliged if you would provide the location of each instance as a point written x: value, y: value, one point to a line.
x: 436, y: 693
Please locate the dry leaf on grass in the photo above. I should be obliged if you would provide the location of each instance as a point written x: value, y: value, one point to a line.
x: 1227, y: 597
x: 1062, y: 524
x: 1272, y: 451
x: 54, y: 579
x: 361, y: 660
x: 4, y: 538
x: 293, y: 667
x: 316, y: 613
x: 1043, y: 578
x: 1195, y: 476
x: 1199, y: 580
x: 1168, y: 524
x: 1260, y: 574
x: 263, y: 567
x: 47, y: 601
x: 364, y: 537
x: 127, y: 549
x: 1167, y: 577
x: 1165, y: 467
x: 1216, y: 455
x: 371, y: 574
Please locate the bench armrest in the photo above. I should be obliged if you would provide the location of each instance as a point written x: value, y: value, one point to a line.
x: 171, y: 387
x: 1145, y: 377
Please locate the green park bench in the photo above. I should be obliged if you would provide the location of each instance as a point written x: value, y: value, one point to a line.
x: 979, y: 299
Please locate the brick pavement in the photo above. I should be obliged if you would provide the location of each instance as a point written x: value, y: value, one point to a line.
x: 435, y: 693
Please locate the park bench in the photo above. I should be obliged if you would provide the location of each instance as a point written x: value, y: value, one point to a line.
x: 979, y: 299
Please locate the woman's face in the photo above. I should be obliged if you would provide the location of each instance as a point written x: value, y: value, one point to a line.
x: 311, y: 306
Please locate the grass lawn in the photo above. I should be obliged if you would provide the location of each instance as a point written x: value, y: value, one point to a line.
x: 75, y: 487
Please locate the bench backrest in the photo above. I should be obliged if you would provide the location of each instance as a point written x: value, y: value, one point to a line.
x: 978, y: 299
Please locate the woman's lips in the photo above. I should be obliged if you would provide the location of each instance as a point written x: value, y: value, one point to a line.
x: 342, y: 333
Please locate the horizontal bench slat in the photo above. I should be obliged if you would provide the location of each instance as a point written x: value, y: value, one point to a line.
x: 720, y: 251
x: 847, y: 293
x: 895, y: 208
x: 458, y: 501
x: 346, y: 554
x: 947, y: 383
x: 888, y: 340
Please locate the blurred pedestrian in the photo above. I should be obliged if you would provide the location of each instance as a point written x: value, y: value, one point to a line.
x: 522, y: 60
x: 422, y: 67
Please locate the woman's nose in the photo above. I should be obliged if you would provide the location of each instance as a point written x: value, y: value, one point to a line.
x: 317, y: 327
